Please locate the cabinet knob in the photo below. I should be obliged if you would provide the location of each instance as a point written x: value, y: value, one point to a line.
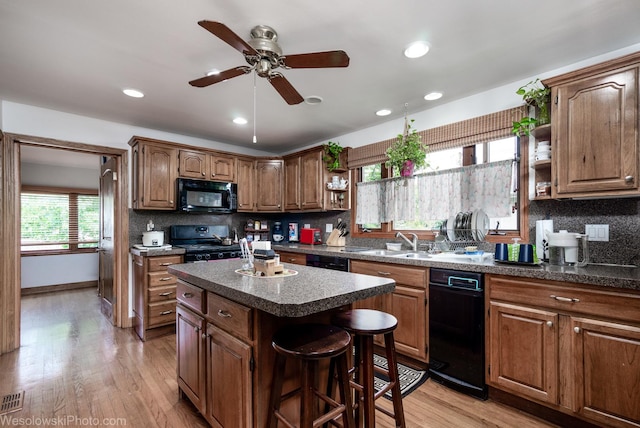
x: 628, y: 179
x: 203, y: 174
x: 576, y: 329
x: 204, y: 335
x: 196, y: 328
x: 549, y: 323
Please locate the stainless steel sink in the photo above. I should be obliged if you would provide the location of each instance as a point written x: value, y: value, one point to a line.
x: 375, y: 252
x: 418, y: 256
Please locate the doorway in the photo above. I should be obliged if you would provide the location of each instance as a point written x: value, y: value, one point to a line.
x: 10, y: 277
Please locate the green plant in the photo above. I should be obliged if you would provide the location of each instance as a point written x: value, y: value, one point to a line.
x: 407, y: 147
x: 332, y: 155
x: 536, y: 95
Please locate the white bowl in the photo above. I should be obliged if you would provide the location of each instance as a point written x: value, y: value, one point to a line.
x: 394, y: 246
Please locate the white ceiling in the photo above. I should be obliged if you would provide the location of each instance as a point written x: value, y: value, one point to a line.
x: 77, y: 55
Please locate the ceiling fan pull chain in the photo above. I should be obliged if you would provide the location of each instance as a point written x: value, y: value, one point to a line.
x: 255, y: 140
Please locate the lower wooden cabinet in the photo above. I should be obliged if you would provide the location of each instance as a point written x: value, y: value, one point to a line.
x: 573, y: 348
x: 295, y: 258
x: 215, y: 356
x: 408, y: 303
x: 154, y: 291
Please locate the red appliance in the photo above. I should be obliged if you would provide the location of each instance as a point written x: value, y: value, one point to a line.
x: 310, y: 236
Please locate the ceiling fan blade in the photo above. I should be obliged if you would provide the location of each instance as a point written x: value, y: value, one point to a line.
x: 285, y: 89
x: 223, y: 75
x: 317, y: 60
x: 225, y: 34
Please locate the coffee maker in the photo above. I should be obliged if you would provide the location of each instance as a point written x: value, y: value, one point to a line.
x: 277, y: 234
x: 563, y: 248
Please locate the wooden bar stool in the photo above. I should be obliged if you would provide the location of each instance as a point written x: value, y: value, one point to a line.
x: 364, y: 324
x: 311, y: 343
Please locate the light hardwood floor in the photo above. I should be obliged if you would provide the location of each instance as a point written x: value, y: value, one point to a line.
x: 75, y: 367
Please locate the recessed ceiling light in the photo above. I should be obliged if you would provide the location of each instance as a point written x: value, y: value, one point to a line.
x: 133, y: 93
x: 383, y: 112
x: 240, y: 121
x: 416, y: 49
x: 213, y: 71
x: 433, y: 96
x: 313, y: 99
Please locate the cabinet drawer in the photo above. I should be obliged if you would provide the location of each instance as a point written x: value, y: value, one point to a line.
x: 161, y: 263
x: 229, y: 316
x: 161, y: 313
x: 299, y: 259
x: 191, y: 296
x: 566, y: 298
x: 415, y: 277
x: 160, y: 294
x: 157, y: 279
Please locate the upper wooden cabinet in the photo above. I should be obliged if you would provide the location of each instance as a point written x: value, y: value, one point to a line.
x: 594, y: 121
x: 260, y: 185
x: 207, y: 166
x: 155, y: 167
x: 304, y: 181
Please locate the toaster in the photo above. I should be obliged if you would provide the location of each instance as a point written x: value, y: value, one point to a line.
x: 309, y: 235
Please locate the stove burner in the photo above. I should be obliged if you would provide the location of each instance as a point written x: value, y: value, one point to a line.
x: 201, y: 245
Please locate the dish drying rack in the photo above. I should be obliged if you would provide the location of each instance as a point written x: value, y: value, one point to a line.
x: 464, y: 238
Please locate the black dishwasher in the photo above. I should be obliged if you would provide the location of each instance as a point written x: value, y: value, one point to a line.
x: 328, y: 262
x: 456, y: 330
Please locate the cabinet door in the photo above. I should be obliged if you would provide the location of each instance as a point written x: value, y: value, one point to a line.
x: 596, y: 134
x: 311, y: 185
x: 606, y: 358
x: 246, y: 185
x: 193, y: 164
x: 269, y: 176
x: 524, y: 351
x: 408, y: 305
x: 223, y: 168
x: 229, y: 388
x: 191, y: 356
x: 159, y: 177
x: 292, y: 184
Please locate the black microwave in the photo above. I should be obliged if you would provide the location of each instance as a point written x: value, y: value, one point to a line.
x: 201, y: 196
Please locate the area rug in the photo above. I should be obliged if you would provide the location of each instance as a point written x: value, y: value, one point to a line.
x: 410, y: 379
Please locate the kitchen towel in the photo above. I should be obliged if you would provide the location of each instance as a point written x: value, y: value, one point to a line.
x: 542, y: 244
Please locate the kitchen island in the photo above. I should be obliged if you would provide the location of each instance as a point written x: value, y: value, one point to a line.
x: 225, y: 322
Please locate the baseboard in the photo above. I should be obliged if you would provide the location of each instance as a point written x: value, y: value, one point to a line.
x: 58, y: 287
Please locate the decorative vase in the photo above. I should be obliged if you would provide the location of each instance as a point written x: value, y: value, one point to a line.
x: 542, y: 114
x: 407, y: 169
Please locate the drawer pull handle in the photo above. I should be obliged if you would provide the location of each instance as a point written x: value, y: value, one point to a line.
x: 166, y: 264
x: 168, y: 293
x: 166, y: 278
x: 187, y: 295
x: 565, y: 299
x: 384, y: 273
x: 549, y: 323
x: 223, y: 314
x: 576, y: 329
x: 166, y: 312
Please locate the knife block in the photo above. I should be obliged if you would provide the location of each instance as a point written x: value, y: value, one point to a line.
x: 335, y: 240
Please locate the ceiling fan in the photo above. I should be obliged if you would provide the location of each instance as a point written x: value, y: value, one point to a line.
x: 264, y: 56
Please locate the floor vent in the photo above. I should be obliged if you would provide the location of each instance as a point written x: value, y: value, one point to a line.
x: 11, y: 403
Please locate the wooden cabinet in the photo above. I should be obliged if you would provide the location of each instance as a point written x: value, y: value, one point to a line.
x: 595, y: 135
x: 215, y: 356
x: 408, y: 303
x: 295, y: 258
x: 207, y: 166
x: 304, y: 181
x: 154, y: 292
x: 573, y: 348
x: 154, y: 169
x: 260, y: 185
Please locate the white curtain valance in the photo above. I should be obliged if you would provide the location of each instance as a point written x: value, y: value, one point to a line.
x: 438, y: 195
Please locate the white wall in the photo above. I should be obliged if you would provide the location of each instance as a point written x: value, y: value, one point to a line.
x: 39, y: 271
x: 48, y: 175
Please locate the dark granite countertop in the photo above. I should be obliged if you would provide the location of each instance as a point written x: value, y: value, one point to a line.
x: 311, y: 291
x: 153, y: 252
x: 615, y: 276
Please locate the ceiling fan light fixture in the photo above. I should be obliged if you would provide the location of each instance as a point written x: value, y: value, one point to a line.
x: 432, y: 96
x: 416, y: 49
x: 383, y: 112
x: 313, y: 100
x: 240, y: 121
x: 134, y: 93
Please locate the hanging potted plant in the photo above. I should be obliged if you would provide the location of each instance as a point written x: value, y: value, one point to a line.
x: 407, y: 153
x: 332, y: 155
x: 534, y: 94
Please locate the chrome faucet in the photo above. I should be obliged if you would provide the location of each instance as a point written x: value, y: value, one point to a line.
x: 413, y: 243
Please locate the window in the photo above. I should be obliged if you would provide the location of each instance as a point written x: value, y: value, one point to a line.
x: 58, y: 220
x: 482, y: 140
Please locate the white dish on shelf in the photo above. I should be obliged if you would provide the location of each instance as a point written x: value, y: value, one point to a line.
x: 481, y: 225
x: 451, y: 233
